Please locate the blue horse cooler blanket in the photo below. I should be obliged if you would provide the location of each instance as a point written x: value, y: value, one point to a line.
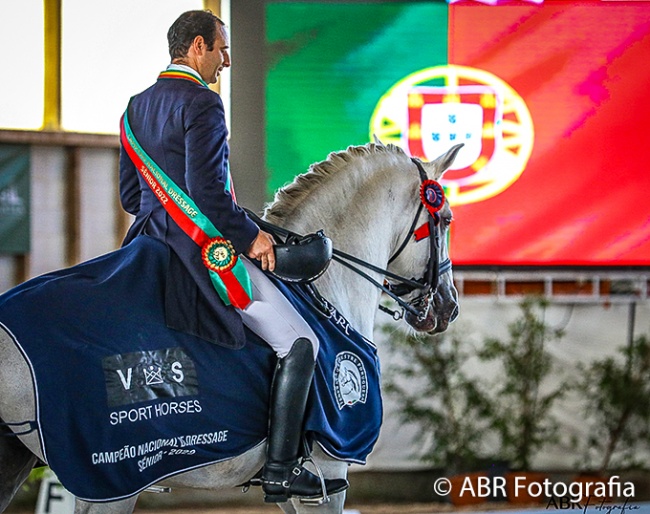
x: 123, y: 401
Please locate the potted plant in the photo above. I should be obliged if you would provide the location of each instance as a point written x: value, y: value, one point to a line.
x: 447, y: 406
x: 615, y: 392
x: 521, y: 414
x: 456, y: 413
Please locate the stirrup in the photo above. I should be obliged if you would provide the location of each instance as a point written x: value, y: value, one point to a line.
x: 324, y: 499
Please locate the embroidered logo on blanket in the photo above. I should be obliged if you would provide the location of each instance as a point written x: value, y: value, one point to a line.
x: 148, y: 375
x: 350, y: 380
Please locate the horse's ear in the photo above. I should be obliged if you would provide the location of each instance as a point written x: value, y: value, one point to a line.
x: 438, y: 166
x: 377, y: 140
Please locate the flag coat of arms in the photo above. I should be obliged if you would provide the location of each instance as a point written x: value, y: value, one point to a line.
x: 439, y: 117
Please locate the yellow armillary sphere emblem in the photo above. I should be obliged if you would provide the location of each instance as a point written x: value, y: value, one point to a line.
x: 433, y: 109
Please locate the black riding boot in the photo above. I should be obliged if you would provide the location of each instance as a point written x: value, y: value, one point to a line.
x: 283, y: 476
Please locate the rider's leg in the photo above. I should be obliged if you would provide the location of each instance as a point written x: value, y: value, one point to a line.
x: 274, y: 319
x: 283, y: 476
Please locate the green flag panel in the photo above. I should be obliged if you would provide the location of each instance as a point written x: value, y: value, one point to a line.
x: 328, y: 65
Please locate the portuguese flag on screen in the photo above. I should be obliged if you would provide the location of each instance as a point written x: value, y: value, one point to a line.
x: 550, y: 99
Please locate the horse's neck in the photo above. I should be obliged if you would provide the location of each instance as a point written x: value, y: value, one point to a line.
x: 352, y: 295
x: 362, y: 224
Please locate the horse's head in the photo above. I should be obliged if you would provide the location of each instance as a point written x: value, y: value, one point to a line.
x: 371, y: 201
x: 423, y: 253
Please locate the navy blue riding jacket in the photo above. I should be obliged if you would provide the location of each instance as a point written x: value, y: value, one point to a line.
x: 181, y: 125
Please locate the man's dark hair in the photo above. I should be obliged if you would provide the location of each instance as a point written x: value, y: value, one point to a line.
x: 189, y: 25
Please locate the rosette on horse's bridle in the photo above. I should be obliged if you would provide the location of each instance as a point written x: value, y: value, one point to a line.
x: 292, y: 256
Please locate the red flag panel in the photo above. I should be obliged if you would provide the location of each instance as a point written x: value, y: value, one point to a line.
x: 581, y: 70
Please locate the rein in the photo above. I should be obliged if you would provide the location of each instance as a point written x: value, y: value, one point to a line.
x: 428, y: 284
x: 343, y: 258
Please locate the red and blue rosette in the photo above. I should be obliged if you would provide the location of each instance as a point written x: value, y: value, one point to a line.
x: 432, y: 196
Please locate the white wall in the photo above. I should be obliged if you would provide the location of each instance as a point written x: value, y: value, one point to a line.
x: 47, y: 213
x: 99, y: 201
x: 98, y: 209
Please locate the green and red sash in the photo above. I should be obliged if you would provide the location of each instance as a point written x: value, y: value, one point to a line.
x: 227, y: 273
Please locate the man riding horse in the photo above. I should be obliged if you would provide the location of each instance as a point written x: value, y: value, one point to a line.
x: 174, y: 134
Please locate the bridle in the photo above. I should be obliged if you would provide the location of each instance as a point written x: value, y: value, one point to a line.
x: 432, y: 198
x: 436, y: 267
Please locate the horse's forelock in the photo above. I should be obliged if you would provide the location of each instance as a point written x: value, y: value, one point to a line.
x: 289, y: 197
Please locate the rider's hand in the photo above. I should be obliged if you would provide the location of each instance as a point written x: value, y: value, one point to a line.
x: 262, y: 249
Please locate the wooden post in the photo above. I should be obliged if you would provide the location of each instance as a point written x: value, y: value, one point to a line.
x: 72, y: 207
x: 52, y: 65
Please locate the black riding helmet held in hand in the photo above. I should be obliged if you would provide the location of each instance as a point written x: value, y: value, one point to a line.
x: 302, y: 259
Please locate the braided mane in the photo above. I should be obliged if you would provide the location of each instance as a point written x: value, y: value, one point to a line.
x: 289, y: 197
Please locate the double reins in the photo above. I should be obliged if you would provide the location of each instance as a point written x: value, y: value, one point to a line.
x: 428, y: 284
x: 349, y: 262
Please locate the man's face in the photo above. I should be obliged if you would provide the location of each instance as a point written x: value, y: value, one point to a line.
x: 211, y: 62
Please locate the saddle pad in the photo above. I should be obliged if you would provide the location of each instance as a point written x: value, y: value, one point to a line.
x: 345, y: 410
x: 123, y: 401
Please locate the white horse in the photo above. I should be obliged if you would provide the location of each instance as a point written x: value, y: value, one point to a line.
x: 367, y: 200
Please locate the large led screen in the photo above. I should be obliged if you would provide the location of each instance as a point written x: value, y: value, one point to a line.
x: 551, y: 101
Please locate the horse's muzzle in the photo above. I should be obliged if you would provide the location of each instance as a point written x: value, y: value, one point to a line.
x: 442, y: 310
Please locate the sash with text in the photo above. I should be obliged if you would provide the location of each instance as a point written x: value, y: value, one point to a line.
x: 228, y: 275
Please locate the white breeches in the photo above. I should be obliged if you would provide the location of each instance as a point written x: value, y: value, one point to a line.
x: 272, y: 317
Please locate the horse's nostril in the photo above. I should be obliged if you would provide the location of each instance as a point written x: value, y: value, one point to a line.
x: 454, y: 314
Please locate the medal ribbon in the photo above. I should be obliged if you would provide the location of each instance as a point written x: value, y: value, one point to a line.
x: 227, y: 273
x: 180, y: 74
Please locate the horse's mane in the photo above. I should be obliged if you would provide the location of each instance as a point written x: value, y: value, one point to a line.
x: 289, y: 197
